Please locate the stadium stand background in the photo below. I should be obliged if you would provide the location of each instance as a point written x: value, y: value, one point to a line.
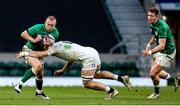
x: 110, y: 26
x: 81, y: 21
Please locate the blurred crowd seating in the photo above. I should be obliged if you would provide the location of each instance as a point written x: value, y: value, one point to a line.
x: 16, y: 68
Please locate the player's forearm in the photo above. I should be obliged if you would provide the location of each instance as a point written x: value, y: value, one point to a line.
x: 151, y: 41
x: 38, y: 54
x: 161, y: 46
x: 67, y: 66
x: 157, y: 49
x: 26, y: 36
x: 34, y: 54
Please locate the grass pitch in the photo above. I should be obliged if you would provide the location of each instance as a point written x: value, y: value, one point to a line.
x: 81, y: 96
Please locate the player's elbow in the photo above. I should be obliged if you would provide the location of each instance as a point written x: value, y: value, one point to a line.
x: 23, y: 34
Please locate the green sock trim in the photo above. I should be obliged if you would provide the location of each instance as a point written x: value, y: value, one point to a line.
x: 27, y: 75
x: 156, y: 89
x: 171, y: 79
x: 120, y: 78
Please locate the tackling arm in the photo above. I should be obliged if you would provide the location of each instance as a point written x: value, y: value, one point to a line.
x: 38, y: 54
x: 65, y: 68
x: 67, y: 65
x: 35, y: 54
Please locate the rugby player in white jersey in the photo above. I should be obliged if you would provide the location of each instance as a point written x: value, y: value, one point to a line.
x: 91, y: 64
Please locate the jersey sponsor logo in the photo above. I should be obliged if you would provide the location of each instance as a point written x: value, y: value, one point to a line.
x: 67, y: 46
x: 92, y: 66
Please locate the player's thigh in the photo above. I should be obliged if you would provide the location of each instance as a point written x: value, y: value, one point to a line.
x: 88, y: 73
x: 163, y: 59
x: 89, y: 69
x: 34, y: 62
x: 155, y: 69
x: 163, y: 74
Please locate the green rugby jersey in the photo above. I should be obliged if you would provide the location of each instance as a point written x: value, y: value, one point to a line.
x: 39, y: 29
x: 161, y: 30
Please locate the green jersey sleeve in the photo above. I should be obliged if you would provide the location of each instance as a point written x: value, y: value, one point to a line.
x: 51, y: 51
x: 163, y: 32
x: 33, y: 30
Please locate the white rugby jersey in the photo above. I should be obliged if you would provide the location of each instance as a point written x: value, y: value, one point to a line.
x: 71, y: 51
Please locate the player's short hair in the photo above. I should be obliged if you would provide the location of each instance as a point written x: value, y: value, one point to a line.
x: 51, y: 17
x: 154, y: 10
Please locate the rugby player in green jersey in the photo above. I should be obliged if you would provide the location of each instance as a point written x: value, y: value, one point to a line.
x: 34, y: 36
x: 163, y: 53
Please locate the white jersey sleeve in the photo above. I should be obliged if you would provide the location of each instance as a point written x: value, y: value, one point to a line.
x: 53, y: 49
x: 50, y: 51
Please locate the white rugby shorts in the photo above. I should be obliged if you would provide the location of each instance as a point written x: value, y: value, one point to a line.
x: 164, y: 59
x: 92, y: 61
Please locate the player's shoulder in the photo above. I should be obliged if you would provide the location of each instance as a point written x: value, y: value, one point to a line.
x: 163, y: 24
x: 39, y: 25
x: 55, y: 29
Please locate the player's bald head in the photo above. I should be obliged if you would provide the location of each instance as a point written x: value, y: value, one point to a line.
x: 50, y: 23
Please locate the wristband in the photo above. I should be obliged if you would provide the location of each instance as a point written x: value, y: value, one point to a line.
x: 149, y: 52
x: 24, y: 53
x: 149, y: 44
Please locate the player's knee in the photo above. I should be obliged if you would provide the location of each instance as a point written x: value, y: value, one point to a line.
x: 39, y: 71
x: 152, y: 74
x: 38, y: 67
x: 97, y: 75
x: 86, y: 82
